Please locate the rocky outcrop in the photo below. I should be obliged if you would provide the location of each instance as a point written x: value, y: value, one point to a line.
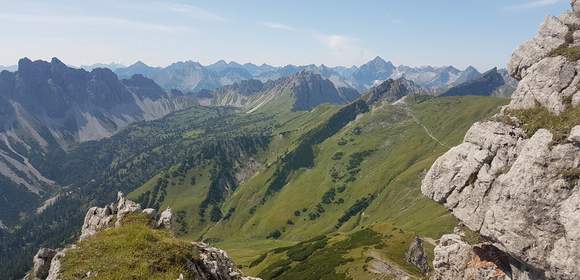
x: 416, y: 255
x: 98, y: 218
x: 456, y: 259
x: 165, y: 219
x: 41, y: 263
x: 209, y: 263
x: 548, y: 80
x: 519, y: 191
x: 215, y: 263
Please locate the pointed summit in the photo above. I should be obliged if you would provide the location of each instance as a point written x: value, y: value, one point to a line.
x: 375, y: 70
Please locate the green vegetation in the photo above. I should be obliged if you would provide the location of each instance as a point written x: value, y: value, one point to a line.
x: 539, y: 117
x: 282, y: 176
x: 318, y: 258
x: 470, y: 236
x: 567, y: 50
x: 132, y: 251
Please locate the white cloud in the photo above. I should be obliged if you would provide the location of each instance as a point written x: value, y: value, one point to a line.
x: 344, y: 49
x: 532, y: 4
x: 192, y: 11
x: 277, y: 26
x: 92, y: 20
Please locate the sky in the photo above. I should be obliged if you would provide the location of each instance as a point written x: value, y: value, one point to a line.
x: 482, y: 33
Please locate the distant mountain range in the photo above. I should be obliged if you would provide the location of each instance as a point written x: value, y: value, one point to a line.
x: 190, y: 76
x: 10, y: 68
x: 491, y: 83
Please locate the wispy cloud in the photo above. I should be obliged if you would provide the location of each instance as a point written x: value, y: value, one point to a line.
x: 531, y: 4
x: 92, y: 20
x: 192, y: 11
x: 277, y: 26
x: 343, y: 48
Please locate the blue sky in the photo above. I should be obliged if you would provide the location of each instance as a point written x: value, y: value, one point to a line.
x: 482, y: 33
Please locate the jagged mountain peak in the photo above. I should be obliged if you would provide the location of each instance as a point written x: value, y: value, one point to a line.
x: 391, y: 90
x: 139, y: 63
x: 486, y: 84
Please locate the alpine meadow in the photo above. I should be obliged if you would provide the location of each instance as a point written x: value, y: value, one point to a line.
x: 318, y: 160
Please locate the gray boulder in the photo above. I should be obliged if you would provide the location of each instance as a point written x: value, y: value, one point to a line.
x: 165, y: 219
x: 416, y: 255
x: 575, y: 134
x: 215, y: 263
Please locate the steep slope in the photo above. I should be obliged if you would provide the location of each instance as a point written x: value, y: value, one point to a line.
x: 369, y: 73
x: 435, y: 78
x: 235, y: 95
x: 469, y: 74
x: 325, y: 172
x: 515, y: 179
x: 391, y: 91
x: 185, y: 76
x: 298, y: 92
x: 47, y: 108
x: 490, y: 83
x: 93, y: 171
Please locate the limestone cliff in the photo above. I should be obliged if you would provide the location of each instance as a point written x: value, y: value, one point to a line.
x: 514, y: 183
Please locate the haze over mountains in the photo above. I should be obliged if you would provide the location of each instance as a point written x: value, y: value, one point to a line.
x: 192, y: 76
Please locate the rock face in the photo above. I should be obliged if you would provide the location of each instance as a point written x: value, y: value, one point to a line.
x: 215, y: 264
x: 391, y: 91
x: 98, y: 218
x: 490, y: 83
x: 211, y: 263
x: 416, y: 255
x: 521, y: 193
x: 456, y: 259
x: 165, y: 219
x: 41, y: 263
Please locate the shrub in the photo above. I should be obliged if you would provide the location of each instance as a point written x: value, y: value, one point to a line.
x: 274, y: 234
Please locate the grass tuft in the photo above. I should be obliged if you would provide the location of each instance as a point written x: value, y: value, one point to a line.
x: 539, y: 117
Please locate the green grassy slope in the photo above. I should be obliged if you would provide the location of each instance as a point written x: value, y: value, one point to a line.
x: 132, y: 251
x: 365, y: 174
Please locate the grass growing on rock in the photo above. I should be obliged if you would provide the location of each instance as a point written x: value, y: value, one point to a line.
x: 132, y: 251
x: 539, y: 117
x: 567, y: 50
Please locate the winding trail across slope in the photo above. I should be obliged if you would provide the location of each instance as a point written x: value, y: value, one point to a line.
x: 416, y: 120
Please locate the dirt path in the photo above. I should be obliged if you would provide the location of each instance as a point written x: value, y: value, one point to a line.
x: 416, y: 120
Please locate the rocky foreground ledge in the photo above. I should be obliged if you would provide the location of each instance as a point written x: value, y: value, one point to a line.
x: 209, y: 263
x: 514, y: 182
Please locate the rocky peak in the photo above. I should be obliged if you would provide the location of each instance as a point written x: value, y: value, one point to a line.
x: 519, y: 189
x: 209, y: 263
x: 390, y: 91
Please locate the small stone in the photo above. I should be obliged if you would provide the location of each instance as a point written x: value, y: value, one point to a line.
x: 165, y: 219
x: 575, y: 134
